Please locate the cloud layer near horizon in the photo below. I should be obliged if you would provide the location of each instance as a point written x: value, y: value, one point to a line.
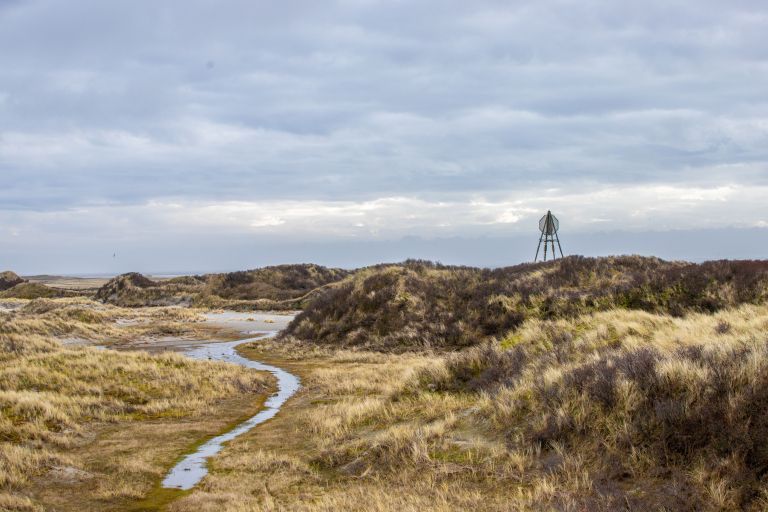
x: 373, y: 119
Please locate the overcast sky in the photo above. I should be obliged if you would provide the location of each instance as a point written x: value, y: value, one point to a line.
x: 211, y: 135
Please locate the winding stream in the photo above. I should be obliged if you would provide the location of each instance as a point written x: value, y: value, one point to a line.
x: 192, y: 468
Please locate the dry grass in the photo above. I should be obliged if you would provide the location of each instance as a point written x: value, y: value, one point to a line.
x: 618, y: 410
x: 327, y: 448
x: 640, y: 399
x: 54, y: 398
x: 8, y: 280
x: 611, y: 410
x: 77, y: 319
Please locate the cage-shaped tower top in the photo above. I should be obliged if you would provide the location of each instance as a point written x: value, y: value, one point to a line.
x: 549, y: 226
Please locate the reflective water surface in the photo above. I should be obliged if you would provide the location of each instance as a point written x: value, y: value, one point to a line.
x: 192, y: 468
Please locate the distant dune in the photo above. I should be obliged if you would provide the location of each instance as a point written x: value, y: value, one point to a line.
x: 279, y: 287
x: 8, y: 280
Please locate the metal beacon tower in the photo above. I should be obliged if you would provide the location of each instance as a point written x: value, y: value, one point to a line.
x: 548, y: 225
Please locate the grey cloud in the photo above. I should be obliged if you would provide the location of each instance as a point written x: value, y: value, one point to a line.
x: 126, y: 103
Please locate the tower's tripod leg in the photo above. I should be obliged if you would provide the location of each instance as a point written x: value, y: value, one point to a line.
x: 558, y: 245
x: 545, y: 248
x: 538, y: 248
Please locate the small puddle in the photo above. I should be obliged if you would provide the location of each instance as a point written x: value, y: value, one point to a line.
x: 192, y: 468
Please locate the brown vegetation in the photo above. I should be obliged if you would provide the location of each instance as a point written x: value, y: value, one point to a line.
x: 281, y: 287
x: 425, y: 305
x: 665, y: 406
x: 276, y: 283
x: 27, y: 290
x: 615, y: 410
x: 136, y: 290
x: 8, y: 280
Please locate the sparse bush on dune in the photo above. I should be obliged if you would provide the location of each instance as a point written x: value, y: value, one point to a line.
x: 136, y: 290
x: 186, y: 280
x: 420, y: 304
x: 393, y: 307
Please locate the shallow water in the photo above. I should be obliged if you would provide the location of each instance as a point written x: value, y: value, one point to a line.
x: 192, y: 468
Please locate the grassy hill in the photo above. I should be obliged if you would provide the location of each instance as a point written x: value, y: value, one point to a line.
x: 26, y: 290
x: 583, y: 384
x: 14, y: 287
x: 8, y: 280
x: 420, y: 304
x: 674, y: 409
x: 277, y: 287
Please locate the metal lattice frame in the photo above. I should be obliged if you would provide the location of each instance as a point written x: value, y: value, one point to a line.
x: 549, y: 226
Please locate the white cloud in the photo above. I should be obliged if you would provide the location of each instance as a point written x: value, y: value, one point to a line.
x: 628, y: 208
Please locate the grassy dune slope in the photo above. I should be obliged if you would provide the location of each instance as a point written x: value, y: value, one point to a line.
x: 635, y: 402
x: 33, y: 291
x: 54, y: 399
x: 615, y: 410
x: 584, y: 384
x: 14, y: 287
x: 420, y: 304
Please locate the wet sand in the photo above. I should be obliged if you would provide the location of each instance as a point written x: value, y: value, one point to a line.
x: 231, y: 324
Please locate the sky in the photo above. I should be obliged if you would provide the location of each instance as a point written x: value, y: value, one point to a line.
x: 193, y: 136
